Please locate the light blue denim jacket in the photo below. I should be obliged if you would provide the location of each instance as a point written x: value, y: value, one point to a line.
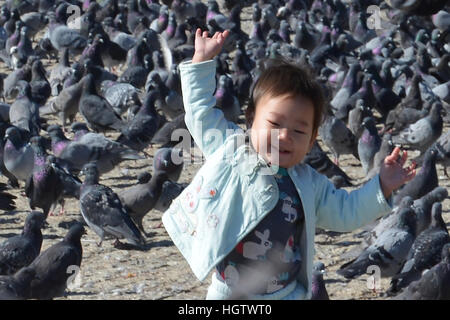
x: 233, y: 191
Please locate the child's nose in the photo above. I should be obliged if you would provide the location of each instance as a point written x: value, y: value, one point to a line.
x: 283, y: 134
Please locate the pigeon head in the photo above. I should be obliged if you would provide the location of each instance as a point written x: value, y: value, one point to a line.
x: 75, y: 233
x: 408, y: 219
x: 436, y: 216
x: 369, y: 124
x: 406, y: 202
x: 35, y: 220
x: 168, y: 160
x: 319, y: 267
x: 91, y: 173
x: 437, y: 194
x: 12, y: 134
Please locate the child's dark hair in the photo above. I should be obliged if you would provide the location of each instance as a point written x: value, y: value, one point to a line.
x: 282, y: 77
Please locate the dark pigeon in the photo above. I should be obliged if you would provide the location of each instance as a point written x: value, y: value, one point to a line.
x: 43, y: 188
x: 104, y: 212
x: 97, y: 112
x: 170, y: 161
x: 434, y: 284
x: 139, y: 199
x: 424, y: 181
x: 319, y: 291
x: 52, y: 265
x: 138, y: 133
x: 24, y: 112
x: 17, y: 286
x: 424, y: 253
x: 19, y: 251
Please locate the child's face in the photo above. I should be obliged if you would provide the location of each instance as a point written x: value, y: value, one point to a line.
x: 289, y: 121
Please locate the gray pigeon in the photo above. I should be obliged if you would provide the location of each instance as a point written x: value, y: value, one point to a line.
x: 96, y: 147
x: 389, y: 250
x: 442, y: 146
x: 139, y: 199
x: 19, y: 251
x: 356, y: 117
x: 319, y: 291
x: 338, y: 138
x: 18, y: 154
x: 369, y: 144
x: 66, y: 103
x: 387, y: 146
x: 103, y: 211
x: 423, y: 133
x: 24, y: 113
x: 170, y: 191
x: 434, y: 283
x: 424, y: 181
x: 422, y: 207
x: 52, y: 265
x: 17, y: 286
x: 424, y: 253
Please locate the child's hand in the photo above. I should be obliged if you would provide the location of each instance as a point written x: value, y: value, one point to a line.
x: 207, y: 48
x: 392, y: 173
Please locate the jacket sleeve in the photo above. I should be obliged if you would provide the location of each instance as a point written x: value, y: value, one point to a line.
x: 342, y: 211
x: 207, y: 124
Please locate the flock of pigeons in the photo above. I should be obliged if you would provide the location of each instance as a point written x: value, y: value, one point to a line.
x: 384, y: 66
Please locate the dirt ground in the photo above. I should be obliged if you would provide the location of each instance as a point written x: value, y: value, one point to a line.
x: 160, y: 272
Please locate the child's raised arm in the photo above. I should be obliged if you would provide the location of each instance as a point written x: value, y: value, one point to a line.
x: 206, y: 124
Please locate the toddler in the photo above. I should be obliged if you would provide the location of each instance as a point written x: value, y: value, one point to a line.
x: 252, y: 209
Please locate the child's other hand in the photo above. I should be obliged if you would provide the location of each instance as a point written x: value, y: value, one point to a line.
x: 207, y: 48
x: 392, y: 173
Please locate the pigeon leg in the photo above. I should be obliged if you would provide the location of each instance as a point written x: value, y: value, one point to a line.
x: 445, y: 172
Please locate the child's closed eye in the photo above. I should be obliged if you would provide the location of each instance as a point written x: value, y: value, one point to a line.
x: 273, y: 123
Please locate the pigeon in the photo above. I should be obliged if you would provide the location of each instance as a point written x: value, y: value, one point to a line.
x: 96, y: 147
x: 171, y: 103
x: 43, y: 187
x: 18, y: 155
x: 389, y: 250
x: 170, y: 191
x: 226, y: 99
x: 319, y: 160
x: 53, y: 265
x: 40, y: 87
x: 103, y: 211
x: 423, y: 133
x: 425, y: 251
x: 60, y: 72
x: 139, y: 199
x: 433, y: 285
x: 138, y: 133
x: 338, y: 138
x: 319, y: 291
x: 62, y: 37
x: 20, y: 250
x: 424, y: 181
x: 119, y: 95
x: 24, y: 112
x: 165, y: 135
x: 66, y: 103
x: 442, y: 147
x: 59, y: 140
x: 17, y: 286
x: 96, y: 111
x: 368, y: 144
x: 356, y: 117
x: 386, y: 148
x: 10, y: 83
x: 170, y: 161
